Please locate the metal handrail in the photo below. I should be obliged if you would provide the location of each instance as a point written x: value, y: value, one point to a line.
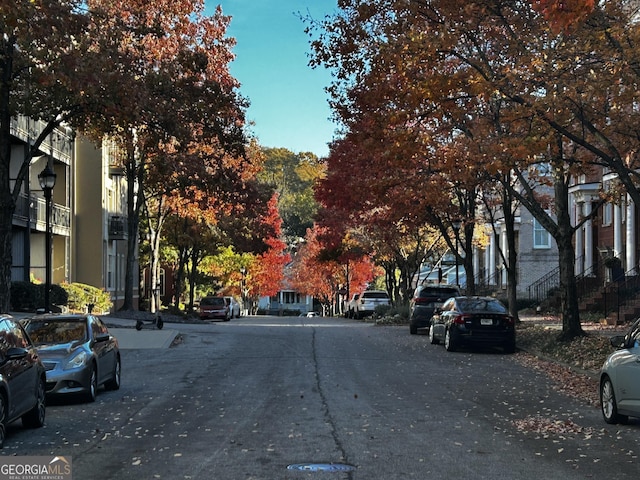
x: 540, y: 289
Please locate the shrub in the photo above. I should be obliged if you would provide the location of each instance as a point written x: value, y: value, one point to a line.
x: 80, y: 296
x: 23, y: 296
x: 28, y: 297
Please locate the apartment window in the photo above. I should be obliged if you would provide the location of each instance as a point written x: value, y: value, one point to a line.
x: 541, y: 238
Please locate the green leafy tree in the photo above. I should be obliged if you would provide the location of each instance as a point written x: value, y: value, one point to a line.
x: 293, y: 177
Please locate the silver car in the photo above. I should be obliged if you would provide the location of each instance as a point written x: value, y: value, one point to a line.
x: 620, y: 378
x: 78, y: 353
x: 234, y: 307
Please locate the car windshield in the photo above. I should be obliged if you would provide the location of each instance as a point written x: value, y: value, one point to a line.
x: 375, y: 295
x: 61, y: 331
x: 481, y: 305
x: 209, y: 301
x: 438, y: 292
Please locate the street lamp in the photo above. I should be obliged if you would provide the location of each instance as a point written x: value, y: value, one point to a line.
x: 47, y: 179
x: 456, y: 228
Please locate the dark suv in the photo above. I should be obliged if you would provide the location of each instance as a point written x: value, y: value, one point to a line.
x: 426, y: 298
x: 22, y: 378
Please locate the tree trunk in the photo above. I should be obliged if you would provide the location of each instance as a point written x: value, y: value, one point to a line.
x: 571, y: 327
x: 7, y: 205
x: 180, y: 275
x: 194, y: 257
x: 512, y: 253
x: 467, y: 261
x: 133, y: 223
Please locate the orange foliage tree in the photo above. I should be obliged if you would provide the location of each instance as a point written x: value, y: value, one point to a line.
x: 265, y: 273
x: 456, y: 90
x: 323, y: 272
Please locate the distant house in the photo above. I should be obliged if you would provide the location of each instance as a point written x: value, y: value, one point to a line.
x: 286, y: 301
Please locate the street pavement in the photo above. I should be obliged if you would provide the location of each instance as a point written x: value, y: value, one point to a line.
x: 149, y: 337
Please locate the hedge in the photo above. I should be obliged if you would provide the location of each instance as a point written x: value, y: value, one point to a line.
x: 28, y: 297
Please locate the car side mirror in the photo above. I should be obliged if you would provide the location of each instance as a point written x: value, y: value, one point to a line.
x: 15, y: 353
x: 617, y: 341
x: 103, y: 337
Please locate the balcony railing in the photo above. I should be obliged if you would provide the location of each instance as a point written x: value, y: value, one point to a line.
x: 117, y: 227
x: 60, y: 143
x: 33, y: 210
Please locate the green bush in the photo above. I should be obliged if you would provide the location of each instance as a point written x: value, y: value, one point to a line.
x: 28, y: 297
x: 80, y: 296
x: 23, y: 296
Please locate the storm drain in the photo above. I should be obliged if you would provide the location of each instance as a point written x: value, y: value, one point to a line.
x: 321, y: 467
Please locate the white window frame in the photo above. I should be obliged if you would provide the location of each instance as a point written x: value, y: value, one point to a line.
x: 541, y: 238
x: 607, y: 214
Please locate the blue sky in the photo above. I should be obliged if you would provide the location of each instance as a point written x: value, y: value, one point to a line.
x: 288, y: 102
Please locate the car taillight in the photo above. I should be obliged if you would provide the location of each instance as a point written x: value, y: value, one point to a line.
x: 460, y: 319
x: 420, y: 301
x: 510, y: 320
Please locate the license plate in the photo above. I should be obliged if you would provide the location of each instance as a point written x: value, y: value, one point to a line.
x: 486, y: 321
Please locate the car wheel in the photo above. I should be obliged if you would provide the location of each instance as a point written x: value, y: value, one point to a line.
x: 608, y: 403
x: 93, y: 385
x: 449, y: 342
x: 114, y: 383
x: 413, y: 329
x: 34, y: 418
x: 432, y: 336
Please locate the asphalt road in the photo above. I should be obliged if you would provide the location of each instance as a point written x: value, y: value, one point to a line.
x: 292, y: 398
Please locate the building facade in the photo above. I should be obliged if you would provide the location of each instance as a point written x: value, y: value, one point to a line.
x: 88, y: 211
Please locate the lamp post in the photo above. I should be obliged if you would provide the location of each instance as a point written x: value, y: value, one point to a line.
x: 456, y: 228
x: 47, y: 179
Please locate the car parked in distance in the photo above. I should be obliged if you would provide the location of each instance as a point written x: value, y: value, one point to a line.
x: 350, y: 307
x: 78, y: 353
x: 426, y: 298
x: 620, y: 378
x: 234, y: 307
x: 368, y: 301
x: 215, y: 308
x: 22, y: 378
x: 473, y: 321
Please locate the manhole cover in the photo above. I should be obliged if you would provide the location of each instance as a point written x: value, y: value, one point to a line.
x: 321, y: 467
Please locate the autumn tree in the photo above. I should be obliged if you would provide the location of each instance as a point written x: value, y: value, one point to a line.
x: 185, y: 117
x: 266, y: 271
x: 51, y: 71
x: 464, y: 58
x: 322, y: 269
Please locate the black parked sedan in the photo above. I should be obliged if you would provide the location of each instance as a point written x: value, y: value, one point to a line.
x: 480, y: 321
x: 78, y: 353
x: 22, y: 378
